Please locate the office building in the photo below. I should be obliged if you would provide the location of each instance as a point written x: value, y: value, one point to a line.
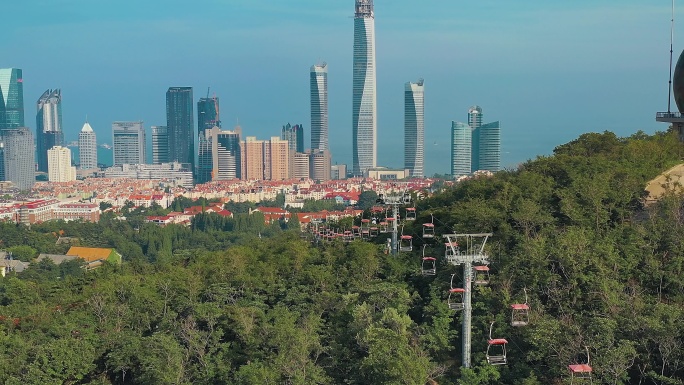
x: 461, y: 149
x: 2, y: 160
x: 207, y: 114
x: 300, y: 165
x: 128, y: 140
x: 179, y: 123
x: 220, y: 155
x: 59, y: 165
x: 319, y: 107
x: 174, y: 173
x: 414, y: 128
x: 160, y: 145
x: 48, y: 126
x: 338, y: 171
x: 87, y: 148
x: 364, y: 110
x: 11, y: 98
x: 483, y: 142
x: 19, y: 157
x: 319, y: 165
x: 294, y: 135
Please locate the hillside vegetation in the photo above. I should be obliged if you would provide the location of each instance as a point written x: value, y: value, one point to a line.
x: 259, y: 305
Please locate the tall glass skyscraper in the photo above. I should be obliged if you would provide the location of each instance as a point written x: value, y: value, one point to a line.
x: 461, y: 145
x: 364, y: 111
x: 207, y: 114
x: 48, y: 125
x: 207, y: 118
x: 319, y: 107
x: 414, y: 128
x: 179, y: 123
x: 87, y: 148
x: 11, y: 98
x: 160, y: 145
x: 485, y: 145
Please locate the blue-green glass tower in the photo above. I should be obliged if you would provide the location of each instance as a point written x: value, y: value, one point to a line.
x: 461, y: 149
x: 483, y: 142
x: 11, y: 98
x: 179, y: 125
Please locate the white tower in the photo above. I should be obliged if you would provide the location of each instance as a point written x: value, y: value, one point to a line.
x: 414, y: 128
x: 87, y: 148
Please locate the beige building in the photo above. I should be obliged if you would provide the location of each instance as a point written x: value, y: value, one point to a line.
x: 300, y: 165
x: 319, y: 165
x: 59, y: 165
x: 264, y: 160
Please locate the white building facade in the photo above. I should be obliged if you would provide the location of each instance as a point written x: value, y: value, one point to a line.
x: 414, y: 128
x: 59, y: 165
x: 87, y: 148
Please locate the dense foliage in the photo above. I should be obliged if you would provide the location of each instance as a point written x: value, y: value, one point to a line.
x: 237, y: 302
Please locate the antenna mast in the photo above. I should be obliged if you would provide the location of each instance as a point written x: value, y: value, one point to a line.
x: 669, y: 89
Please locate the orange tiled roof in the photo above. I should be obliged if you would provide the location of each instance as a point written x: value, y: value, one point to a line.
x: 89, y: 254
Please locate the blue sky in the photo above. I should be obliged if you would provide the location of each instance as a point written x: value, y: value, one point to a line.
x: 548, y: 70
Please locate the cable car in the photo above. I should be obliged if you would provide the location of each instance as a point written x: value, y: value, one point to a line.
x: 384, y: 227
x: 455, y: 299
x: 406, y: 243
x: 374, y: 231
x: 356, y: 231
x: 410, y: 214
x: 481, y: 275
x: 429, y: 266
x: 581, y: 371
x: 496, y: 349
x: 348, y: 236
x: 428, y: 230
x: 520, y: 313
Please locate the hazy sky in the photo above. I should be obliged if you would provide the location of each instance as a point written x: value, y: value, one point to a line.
x: 548, y: 70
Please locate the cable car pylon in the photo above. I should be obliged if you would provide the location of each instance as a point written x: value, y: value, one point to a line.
x: 470, y: 251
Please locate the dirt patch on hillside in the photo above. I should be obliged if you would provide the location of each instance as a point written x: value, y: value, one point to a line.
x: 672, y: 179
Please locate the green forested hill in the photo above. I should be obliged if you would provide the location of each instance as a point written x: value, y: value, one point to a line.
x: 203, y: 305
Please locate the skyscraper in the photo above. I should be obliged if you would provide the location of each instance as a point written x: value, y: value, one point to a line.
x: 484, y: 147
x: 220, y: 155
x: 59, y: 165
x: 179, y: 123
x: 128, y: 140
x: 207, y: 119
x: 160, y: 145
x: 87, y: 148
x: 364, y: 114
x: 294, y: 135
x: 48, y: 125
x: 11, y: 98
x: 319, y: 107
x: 19, y: 157
x: 207, y: 114
x: 414, y: 128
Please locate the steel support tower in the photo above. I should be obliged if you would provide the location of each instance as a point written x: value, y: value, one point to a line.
x: 466, y: 250
x: 395, y: 201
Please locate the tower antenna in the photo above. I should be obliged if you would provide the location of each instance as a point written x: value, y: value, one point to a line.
x: 669, y: 89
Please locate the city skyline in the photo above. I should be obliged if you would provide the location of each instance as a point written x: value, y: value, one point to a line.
x: 581, y: 55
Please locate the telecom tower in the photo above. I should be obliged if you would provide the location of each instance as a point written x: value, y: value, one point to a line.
x: 467, y: 250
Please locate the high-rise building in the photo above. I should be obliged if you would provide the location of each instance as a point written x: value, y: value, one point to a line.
x: 207, y: 114
x: 128, y: 140
x: 87, y: 148
x: 489, y: 147
x: 11, y: 98
x: 364, y: 111
x: 414, y: 128
x: 19, y: 157
x: 265, y: 159
x: 319, y: 165
x: 299, y: 165
x: 338, y: 171
x: 294, y: 135
x: 484, y: 145
x: 223, y: 155
x: 319, y: 107
x: 160, y: 145
x: 48, y: 125
x: 461, y: 149
x: 179, y: 123
x: 59, y: 165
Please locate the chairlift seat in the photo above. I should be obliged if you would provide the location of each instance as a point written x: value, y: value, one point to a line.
x: 428, y: 266
x: 500, y: 345
x: 481, y: 275
x: 580, y: 368
x: 428, y: 230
